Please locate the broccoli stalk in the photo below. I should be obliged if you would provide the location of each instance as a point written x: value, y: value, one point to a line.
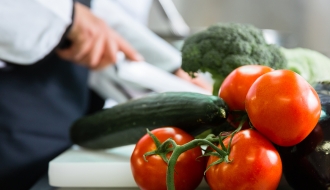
x: 223, y: 47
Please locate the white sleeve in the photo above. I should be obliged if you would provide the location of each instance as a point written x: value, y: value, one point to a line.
x: 31, y: 29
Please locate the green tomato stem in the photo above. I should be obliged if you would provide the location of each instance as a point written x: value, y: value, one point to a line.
x: 223, y: 153
x: 154, y: 138
x: 179, y: 149
x: 170, y: 146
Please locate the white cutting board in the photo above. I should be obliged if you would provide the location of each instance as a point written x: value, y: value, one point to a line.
x: 78, y: 167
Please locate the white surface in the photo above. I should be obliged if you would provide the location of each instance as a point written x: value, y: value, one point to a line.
x: 78, y: 167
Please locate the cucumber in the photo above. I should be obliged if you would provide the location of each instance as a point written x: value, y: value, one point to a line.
x: 126, y: 123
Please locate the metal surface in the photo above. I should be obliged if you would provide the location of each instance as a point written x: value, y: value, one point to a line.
x: 306, y: 22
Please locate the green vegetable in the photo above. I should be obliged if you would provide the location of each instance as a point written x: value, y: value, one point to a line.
x: 126, y: 123
x: 310, y: 64
x: 225, y: 46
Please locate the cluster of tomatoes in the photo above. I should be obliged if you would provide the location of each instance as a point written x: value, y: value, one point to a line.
x: 283, y: 109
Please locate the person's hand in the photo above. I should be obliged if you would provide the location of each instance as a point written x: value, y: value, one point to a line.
x: 198, y: 81
x: 94, y: 44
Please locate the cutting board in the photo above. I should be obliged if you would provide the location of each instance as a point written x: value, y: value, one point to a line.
x: 79, y: 167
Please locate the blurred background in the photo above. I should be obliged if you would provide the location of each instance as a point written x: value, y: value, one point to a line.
x: 290, y: 23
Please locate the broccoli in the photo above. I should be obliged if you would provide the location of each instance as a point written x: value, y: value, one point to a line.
x: 223, y: 47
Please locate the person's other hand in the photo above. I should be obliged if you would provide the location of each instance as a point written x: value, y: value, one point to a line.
x: 198, y: 81
x: 94, y: 44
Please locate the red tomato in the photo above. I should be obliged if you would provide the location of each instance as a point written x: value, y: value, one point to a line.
x: 151, y: 175
x: 283, y: 106
x: 255, y: 164
x: 236, y: 85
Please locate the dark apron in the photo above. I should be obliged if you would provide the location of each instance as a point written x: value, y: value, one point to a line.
x: 38, y: 103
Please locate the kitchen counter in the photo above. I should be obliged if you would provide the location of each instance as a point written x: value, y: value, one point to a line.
x: 77, y: 167
x: 43, y: 184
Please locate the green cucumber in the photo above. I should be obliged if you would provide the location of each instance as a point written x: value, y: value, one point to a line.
x: 126, y: 123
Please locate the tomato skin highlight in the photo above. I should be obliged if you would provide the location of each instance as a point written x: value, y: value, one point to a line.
x: 151, y: 175
x: 255, y: 164
x: 283, y: 107
x: 234, y: 88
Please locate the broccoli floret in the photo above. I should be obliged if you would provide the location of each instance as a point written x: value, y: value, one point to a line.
x: 223, y: 47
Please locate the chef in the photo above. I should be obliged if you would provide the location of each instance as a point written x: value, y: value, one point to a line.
x: 47, y: 50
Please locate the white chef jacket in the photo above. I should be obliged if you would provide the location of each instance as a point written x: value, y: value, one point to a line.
x: 31, y: 29
x: 42, y: 23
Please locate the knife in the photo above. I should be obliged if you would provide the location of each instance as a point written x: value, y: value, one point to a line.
x: 138, y: 79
